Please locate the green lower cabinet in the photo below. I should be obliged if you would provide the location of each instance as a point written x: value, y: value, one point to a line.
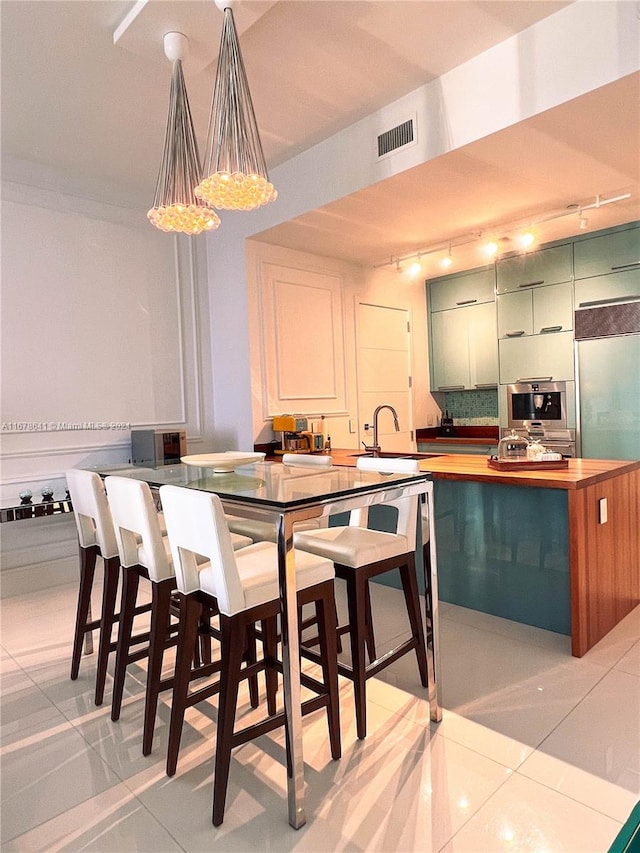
x: 442, y: 447
x: 504, y: 550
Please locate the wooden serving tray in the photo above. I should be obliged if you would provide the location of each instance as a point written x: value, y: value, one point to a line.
x: 526, y: 464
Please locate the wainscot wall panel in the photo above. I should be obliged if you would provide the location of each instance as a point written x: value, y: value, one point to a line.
x: 303, y: 349
x: 105, y: 327
x: 100, y: 333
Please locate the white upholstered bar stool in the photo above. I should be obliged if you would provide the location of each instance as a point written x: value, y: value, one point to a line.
x: 307, y: 460
x: 264, y: 531
x: 96, y: 538
x: 244, y: 585
x: 144, y: 553
x: 360, y: 554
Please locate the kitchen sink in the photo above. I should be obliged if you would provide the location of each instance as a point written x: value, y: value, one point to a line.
x: 385, y: 454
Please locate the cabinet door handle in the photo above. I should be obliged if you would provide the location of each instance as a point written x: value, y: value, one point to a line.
x: 532, y: 283
x: 450, y: 387
x: 517, y: 334
x: 546, y: 329
x: 534, y: 379
x: 631, y: 297
x: 486, y: 385
x: 627, y: 266
x: 467, y: 302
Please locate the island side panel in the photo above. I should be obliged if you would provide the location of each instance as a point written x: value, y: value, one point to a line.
x: 504, y: 550
x: 604, y: 557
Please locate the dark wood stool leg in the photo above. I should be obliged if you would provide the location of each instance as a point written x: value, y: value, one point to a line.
x: 412, y: 600
x: 356, y: 597
x: 107, y: 619
x: 161, y: 600
x: 203, y: 644
x: 269, y: 629
x: 189, y: 617
x: 233, y: 632
x: 252, y: 657
x: 130, y: 581
x: 338, y: 634
x: 371, y: 645
x: 325, y: 609
x: 87, y: 571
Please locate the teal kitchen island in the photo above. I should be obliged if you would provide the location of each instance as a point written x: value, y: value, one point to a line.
x: 559, y: 549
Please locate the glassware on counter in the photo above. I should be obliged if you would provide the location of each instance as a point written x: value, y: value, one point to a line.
x: 512, y: 447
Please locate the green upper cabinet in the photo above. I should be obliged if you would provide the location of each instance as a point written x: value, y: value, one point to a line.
x: 537, y: 357
x: 616, y: 252
x: 464, y: 348
x: 449, y: 345
x: 468, y: 288
x: 604, y: 289
x: 483, y: 345
x: 514, y: 320
x: 463, y: 338
x: 534, y: 269
x: 535, y: 311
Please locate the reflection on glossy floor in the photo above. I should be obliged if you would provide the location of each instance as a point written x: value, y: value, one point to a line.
x: 537, y: 751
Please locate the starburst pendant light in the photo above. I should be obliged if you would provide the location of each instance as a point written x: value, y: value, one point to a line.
x: 175, y: 206
x: 234, y: 170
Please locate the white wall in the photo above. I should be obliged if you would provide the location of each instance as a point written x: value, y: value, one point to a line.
x: 104, y: 322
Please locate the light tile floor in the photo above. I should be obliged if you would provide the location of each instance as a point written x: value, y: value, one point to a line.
x: 537, y: 751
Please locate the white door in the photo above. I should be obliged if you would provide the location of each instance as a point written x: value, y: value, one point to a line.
x: 384, y: 375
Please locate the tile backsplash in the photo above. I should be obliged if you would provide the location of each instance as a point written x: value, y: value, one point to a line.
x: 473, y: 408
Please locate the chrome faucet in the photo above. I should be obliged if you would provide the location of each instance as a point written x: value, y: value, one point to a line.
x: 374, y: 449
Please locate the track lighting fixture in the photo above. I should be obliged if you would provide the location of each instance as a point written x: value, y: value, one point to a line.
x: 495, y: 245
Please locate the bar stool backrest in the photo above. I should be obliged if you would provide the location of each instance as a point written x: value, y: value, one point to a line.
x: 309, y: 460
x: 407, y: 507
x: 196, y: 526
x: 137, y: 528
x: 91, y: 512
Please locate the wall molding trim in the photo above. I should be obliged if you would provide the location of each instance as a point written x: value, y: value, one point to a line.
x: 50, y: 199
x: 292, y: 342
x: 31, y: 456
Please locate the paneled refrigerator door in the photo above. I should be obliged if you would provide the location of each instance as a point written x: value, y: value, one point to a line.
x: 609, y: 397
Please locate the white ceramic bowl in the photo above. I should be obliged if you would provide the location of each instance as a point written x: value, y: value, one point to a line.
x: 223, y: 462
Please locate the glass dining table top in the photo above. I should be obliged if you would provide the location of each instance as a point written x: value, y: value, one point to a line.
x: 273, y: 490
x: 268, y: 484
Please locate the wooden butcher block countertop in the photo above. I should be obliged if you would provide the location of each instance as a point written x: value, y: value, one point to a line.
x: 579, y: 474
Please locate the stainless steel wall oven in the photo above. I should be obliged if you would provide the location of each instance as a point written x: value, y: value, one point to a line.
x: 538, y: 409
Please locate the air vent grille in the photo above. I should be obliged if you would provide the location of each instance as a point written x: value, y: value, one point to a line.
x: 395, y: 138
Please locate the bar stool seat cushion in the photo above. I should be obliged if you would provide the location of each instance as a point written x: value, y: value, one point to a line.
x: 258, y: 531
x: 258, y: 576
x: 352, y: 546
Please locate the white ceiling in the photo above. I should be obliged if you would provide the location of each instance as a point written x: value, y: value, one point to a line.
x: 74, y: 101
